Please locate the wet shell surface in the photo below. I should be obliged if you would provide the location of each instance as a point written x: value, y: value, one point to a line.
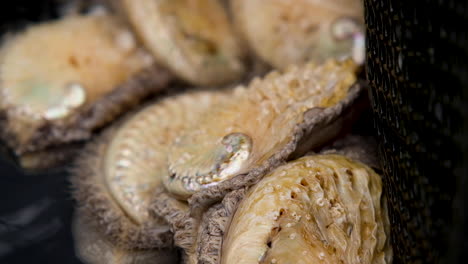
x: 260, y: 126
x: 92, y: 247
x: 289, y: 32
x: 115, y: 178
x: 192, y: 37
x: 57, y: 78
x: 317, y: 209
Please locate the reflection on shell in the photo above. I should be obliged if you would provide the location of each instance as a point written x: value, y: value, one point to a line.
x: 289, y: 32
x: 192, y: 37
x: 253, y: 125
x: 318, y: 209
x: 127, y: 164
x: 61, y: 80
x: 92, y: 247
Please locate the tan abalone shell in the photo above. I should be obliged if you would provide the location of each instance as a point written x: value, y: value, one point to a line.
x: 193, y: 38
x: 115, y: 178
x: 317, y: 209
x: 296, y: 31
x: 259, y: 125
x: 56, y: 79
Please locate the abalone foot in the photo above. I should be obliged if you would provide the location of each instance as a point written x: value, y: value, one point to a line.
x: 199, y: 239
x: 319, y: 127
x: 93, y: 247
x: 51, y: 135
x: 177, y: 214
x: 95, y: 201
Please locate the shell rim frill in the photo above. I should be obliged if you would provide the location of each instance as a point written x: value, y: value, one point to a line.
x: 97, y: 203
x: 183, y: 226
x: 189, y: 233
x: 148, y: 81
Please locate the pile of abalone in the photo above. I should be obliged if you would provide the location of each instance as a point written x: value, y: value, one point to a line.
x: 247, y: 156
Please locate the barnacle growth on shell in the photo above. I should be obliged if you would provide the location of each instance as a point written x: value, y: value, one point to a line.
x: 193, y: 38
x: 289, y: 32
x: 115, y: 178
x: 260, y: 126
x: 60, y: 80
x: 317, y: 209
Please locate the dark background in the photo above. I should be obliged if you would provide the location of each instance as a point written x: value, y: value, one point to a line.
x: 35, y: 209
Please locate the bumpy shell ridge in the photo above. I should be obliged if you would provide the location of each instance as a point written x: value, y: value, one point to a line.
x: 176, y: 213
x: 315, y: 120
x: 95, y: 201
x: 145, y: 83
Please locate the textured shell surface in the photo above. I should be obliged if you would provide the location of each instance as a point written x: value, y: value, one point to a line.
x: 253, y: 124
x: 135, y: 158
x: 317, y: 209
x: 194, y: 38
x: 51, y: 70
x: 288, y: 32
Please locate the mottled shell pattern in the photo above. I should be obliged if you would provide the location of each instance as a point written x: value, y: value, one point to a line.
x: 296, y: 31
x: 52, y: 70
x: 255, y: 123
x: 118, y: 176
x: 193, y: 38
x: 317, y: 209
x: 135, y: 159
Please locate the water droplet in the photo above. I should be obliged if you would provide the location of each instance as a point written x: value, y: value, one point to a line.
x: 321, y: 255
x: 56, y: 112
x: 123, y: 163
x: 320, y: 202
x: 75, y: 97
x: 125, y: 40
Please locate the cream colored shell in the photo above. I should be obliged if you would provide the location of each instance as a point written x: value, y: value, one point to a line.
x: 192, y: 37
x: 135, y: 158
x: 296, y: 31
x: 255, y: 123
x: 317, y: 209
x: 52, y: 69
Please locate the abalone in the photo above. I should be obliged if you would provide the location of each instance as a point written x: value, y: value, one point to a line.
x: 215, y: 222
x: 260, y: 126
x: 290, y: 32
x: 317, y: 209
x: 193, y: 38
x: 116, y: 176
x: 63, y: 79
